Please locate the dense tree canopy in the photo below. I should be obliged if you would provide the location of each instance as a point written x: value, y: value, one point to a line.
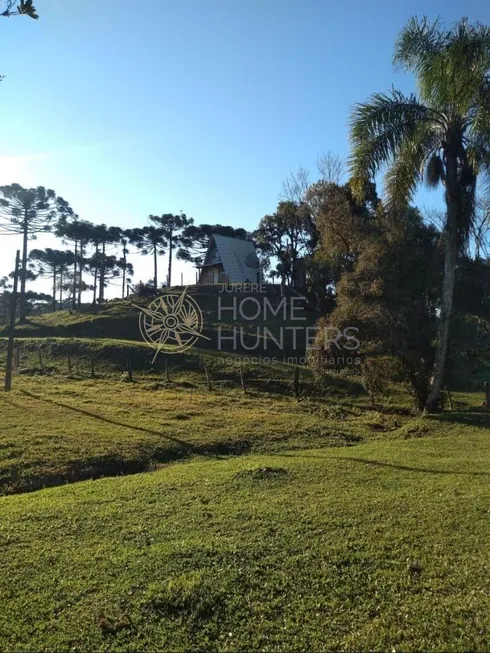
x: 440, y: 135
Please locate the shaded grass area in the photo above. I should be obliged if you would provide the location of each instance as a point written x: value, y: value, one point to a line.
x: 62, y: 427
x: 56, y: 430
x: 111, y: 355
x: 378, y: 547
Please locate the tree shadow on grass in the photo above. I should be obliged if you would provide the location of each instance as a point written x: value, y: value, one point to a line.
x: 185, y: 445
x: 218, y: 450
x: 377, y: 463
x: 473, y: 416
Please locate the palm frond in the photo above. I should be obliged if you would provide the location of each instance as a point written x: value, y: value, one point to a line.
x: 379, y: 130
x: 449, y: 64
x: 479, y: 115
x: 417, y: 44
x: 478, y: 155
x: 406, y: 171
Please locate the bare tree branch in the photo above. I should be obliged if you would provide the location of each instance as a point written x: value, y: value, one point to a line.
x: 331, y: 168
x: 294, y: 187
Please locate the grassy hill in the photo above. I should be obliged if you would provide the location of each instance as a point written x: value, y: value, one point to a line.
x: 118, y: 319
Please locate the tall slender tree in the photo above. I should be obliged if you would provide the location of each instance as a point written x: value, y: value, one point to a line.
x: 150, y: 241
x: 53, y: 264
x: 84, y: 230
x: 173, y: 227
x: 28, y: 211
x: 70, y: 229
x: 127, y: 268
x: 441, y: 135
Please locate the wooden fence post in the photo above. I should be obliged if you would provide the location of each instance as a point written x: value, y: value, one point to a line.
x: 92, y: 367
x: 13, y: 310
x: 449, y: 397
x: 129, y: 370
x: 242, y: 378
x: 69, y: 364
x: 296, y: 381
x: 208, y: 377
x: 486, y: 386
x: 40, y: 354
x: 17, y: 357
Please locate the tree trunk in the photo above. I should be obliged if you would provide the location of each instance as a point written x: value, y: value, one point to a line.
x: 155, y: 272
x: 80, y: 272
x: 23, y: 273
x: 170, y: 250
x: 124, y: 272
x: 54, y: 290
x: 102, y: 275
x: 450, y: 261
x: 11, y: 331
x: 74, y: 297
x: 94, y: 301
x: 61, y: 289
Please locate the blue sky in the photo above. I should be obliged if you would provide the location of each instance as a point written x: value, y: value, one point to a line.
x: 129, y: 108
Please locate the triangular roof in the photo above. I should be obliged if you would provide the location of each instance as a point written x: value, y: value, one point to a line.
x: 238, y: 257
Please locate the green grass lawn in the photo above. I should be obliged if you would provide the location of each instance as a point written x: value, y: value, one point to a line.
x: 56, y: 429
x: 381, y: 546
x: 218, y: 520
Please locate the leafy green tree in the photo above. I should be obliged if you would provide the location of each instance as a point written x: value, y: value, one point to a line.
x: 284, y: 235
x: 28, y: 211
x: 472, y: 287
x: 389, y: 295
x: 441, y: 135
x: 270, y: 237
x: 481, y: 227
x: 337, y: 227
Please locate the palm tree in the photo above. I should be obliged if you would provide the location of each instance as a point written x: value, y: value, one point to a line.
x: 441, y: 135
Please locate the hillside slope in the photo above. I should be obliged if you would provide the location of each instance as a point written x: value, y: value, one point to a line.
x: 233, y: 321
